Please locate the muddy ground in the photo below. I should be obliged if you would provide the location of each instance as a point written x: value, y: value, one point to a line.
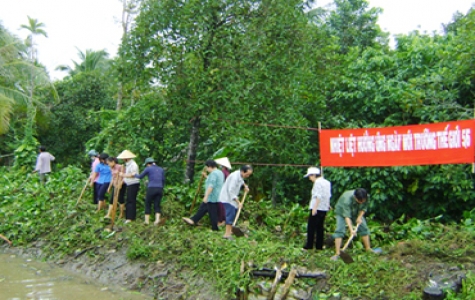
x: 161, y: 280
x: 111, y: 267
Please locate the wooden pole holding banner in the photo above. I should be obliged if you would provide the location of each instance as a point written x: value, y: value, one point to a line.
x: 319, y: 131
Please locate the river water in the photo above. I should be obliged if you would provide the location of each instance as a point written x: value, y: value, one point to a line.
x: 22, y: 278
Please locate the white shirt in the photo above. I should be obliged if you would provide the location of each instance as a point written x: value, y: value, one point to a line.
x: 230, y: 190
x: 43, y: 162
x: 322, y: 189
x: 131, y: 168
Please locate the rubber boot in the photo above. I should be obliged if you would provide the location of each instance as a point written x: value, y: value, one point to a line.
x: 157, y: 219
x: 147, y: 219
x: 122, y: 210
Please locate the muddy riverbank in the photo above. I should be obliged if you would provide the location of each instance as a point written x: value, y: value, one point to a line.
x: 110, y: 270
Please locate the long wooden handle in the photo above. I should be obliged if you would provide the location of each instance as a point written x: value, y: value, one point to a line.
x: 197, y: 192
x: 82, y: 192
x: 115, y: 198
x: 239, y: 210
x: 350, y: 239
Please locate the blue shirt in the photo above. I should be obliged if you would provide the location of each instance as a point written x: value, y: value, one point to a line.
x: 156, y: 176
x: 105, y: 174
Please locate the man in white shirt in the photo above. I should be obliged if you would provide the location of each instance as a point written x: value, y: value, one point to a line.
x: 319, y: 206
x: 43, y: 164
x: 229, y: 195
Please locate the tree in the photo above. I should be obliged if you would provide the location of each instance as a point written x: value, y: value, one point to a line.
x: 81, y: 114
x: 36, y: 29
x: 202, y: 52
x: 10, y: 61
x: 355, y: 24
x: 89, y: 61
x: 130, y: 8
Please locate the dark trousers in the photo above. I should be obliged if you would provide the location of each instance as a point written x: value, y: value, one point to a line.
x: 121, y: 198
x: 221, y: 212
x: 95, y: 192
x: 315, y: 227
x: 131, y: 204
x: 153, y: 195
x: 212, y: 210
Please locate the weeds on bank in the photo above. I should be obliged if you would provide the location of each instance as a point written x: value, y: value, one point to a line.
x: 49, y: 216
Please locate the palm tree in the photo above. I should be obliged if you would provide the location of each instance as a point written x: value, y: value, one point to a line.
x: 89, y: 61
x: 11, y: 64
x: 36, y: 29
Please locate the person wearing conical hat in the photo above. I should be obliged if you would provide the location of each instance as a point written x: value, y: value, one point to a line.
x: 132, y: 185
x: 226, y: 169
x: 319, y: 205
x: 154, y: 194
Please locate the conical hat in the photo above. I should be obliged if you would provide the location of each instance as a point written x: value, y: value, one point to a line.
x: 224, y: 161
x: 126, y: 154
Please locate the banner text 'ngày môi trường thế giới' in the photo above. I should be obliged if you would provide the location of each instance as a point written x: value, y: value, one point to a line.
x: 427, y: 144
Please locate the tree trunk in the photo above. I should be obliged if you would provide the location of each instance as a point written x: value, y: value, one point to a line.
x: 192, y: 147
x: 119, y: 97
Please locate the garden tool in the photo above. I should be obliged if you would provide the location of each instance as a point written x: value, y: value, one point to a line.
x: 345, y: 256
x: 116, y: 198
x: 236, y: 231
x: 197, y: 191
x: 82, y: 192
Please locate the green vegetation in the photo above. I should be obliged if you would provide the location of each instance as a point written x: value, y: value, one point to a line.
x: 194, y: 79
x: 48, y: 215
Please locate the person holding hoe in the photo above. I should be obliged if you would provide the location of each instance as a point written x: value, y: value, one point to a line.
x: 349, y: 211
x: 319, y: 205
x: 116, y: 183
x: 229, y: 195
x: 214, y: 183
x: 131, y: 184
x: 226, y: 169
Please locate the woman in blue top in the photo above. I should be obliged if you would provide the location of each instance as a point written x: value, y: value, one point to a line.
x: 156, y: 183
x: 105, y: 176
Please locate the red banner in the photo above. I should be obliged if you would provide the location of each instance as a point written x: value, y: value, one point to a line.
x: 429, y: 144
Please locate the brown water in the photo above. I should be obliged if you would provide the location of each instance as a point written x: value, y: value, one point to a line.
x: 22, y: 278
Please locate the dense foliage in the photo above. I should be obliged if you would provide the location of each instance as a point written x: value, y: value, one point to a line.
x: 196, y: 79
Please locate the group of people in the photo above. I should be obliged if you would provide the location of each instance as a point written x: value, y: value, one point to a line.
x: 123, y: 182
x: 221, y: 198
x: 349, y: 212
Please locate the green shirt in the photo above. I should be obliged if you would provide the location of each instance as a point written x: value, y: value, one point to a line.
x: 347, y: 207
x: 215, y: 180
